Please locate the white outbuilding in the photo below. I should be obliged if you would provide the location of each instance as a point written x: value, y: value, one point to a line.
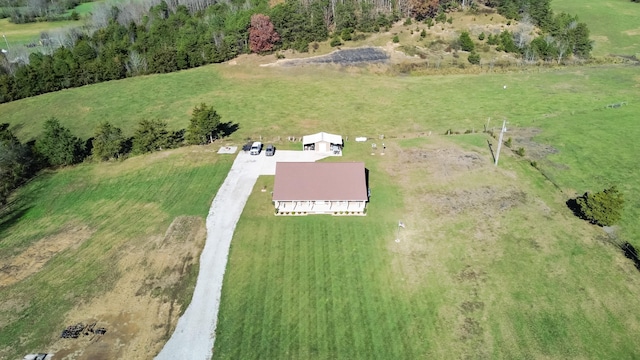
x: 323, y: 142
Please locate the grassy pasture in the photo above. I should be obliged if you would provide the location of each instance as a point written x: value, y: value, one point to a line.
x: 473, y: 276
x: 119, y: 213
x: 613, y: 24
x: 20, y: 34
x: 542, y: 289
x: 84, y: 9
x: 569, y: 105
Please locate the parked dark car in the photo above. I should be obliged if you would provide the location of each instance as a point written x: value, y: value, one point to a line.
x: 270, y: 150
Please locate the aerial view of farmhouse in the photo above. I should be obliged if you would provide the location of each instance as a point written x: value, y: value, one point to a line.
x: 320, y: 179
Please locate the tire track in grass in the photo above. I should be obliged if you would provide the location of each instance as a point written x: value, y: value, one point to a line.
x: 299, y: 259
x: 257, y: 307
x: 227, y: 329
x: 305, y: 305
x: 328, y: 331
x: 263, y: 305
x: 272, y: 310
x: 293, y: 287
x: 288, y: 318
x: 249, y: 333
x: 338, y: 311
x: 364, y: 289
x: 387, y: 331
x: 343, y: 280
x: 372, y: 294
x: 349, y: 288
x: 315, y: 292
x: 365, y: 299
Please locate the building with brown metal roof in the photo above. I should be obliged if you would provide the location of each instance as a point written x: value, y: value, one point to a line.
x: 338, y: 188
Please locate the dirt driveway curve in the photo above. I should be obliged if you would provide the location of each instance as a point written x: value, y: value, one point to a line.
x: 194, y: 335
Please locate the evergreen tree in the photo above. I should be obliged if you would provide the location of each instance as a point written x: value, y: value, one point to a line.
x: 58, y: 145
x: 204, y: 126
x: 603, y: 208
x: 466, y: 44
x: 151, y: 135
x: 107, y: 142
x: 474, y: 58
x: 17, y: 162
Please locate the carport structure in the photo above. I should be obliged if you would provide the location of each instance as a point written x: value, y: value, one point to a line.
x: 323, y: 142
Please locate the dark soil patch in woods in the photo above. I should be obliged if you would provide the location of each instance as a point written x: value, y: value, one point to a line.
x: 367, y: 55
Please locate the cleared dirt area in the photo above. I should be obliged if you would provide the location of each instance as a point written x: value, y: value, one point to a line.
x: 523, y: 137
x: 36, y: 256
x: 138, y: 313
x: 368, y: 55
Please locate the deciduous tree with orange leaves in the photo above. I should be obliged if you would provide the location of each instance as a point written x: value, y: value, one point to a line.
x: 262, y: 35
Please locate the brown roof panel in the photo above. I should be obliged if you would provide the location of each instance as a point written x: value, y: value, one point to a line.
x: 320, y: 181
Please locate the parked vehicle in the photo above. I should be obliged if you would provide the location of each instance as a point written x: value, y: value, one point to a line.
x: 256, y: 148
x: 270, y: 150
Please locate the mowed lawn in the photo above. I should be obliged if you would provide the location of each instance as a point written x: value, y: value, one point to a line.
x: 116, y: 207
x: 490, y: 265
x: 613, y: 24
x: 568, y: 104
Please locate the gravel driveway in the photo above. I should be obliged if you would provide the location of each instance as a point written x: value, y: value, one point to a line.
x: 195, y: 333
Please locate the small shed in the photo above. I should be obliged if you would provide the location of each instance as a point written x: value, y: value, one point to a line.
x: 323, y: 142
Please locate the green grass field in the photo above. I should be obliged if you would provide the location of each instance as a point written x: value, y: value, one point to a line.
x: 21, y: 34
x: 533, y: 282
x: 613, y: 24
x: 84, y: 9
x: 491, y: 265
x: 462, y: 283
x: 120, y: 206
x: 569, y: 105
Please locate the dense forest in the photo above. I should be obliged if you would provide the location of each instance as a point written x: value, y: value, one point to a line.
x: 134, y: 38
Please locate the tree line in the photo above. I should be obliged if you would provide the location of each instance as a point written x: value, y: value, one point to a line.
x: 129, y: 41
x: 58, y: 146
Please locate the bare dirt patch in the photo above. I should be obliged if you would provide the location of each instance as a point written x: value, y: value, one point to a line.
x: 523, y: 137
x: 483, y: 201
x: 632, y: 32
x: 357, y: 56
x: 31, y: 260
x: 143, y: 308
x: 426, y: 175
x: 440, y: 163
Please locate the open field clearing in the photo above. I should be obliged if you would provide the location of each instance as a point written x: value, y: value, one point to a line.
x: 113, y: 243
x: 20, y: 34
x: 490, y: 265
x: 568, y: 106
x: 278, y: 101
x: 613, y: 24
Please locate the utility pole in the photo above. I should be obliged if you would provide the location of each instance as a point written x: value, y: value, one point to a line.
x: 5, y: 40
x: 504, y: 129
